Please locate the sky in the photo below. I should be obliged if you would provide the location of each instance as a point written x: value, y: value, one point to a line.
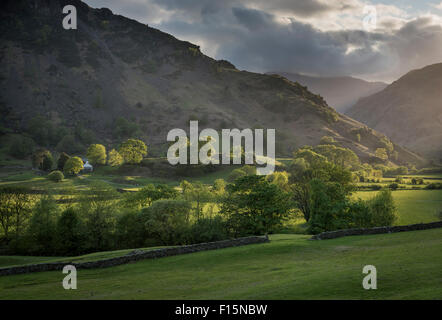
x: 369, y: 39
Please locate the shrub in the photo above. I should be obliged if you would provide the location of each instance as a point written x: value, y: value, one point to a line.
x: 73, y: 166
x: 56, y: 176
x: 393, y: 186
x: 434, y: 186
x: 208, y: 230
x: 383, y: 209
x: 62, y: 160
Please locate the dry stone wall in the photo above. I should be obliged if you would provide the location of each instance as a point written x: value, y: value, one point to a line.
x: 134, y: 256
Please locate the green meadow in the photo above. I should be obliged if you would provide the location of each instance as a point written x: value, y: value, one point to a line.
x: 289, y: 267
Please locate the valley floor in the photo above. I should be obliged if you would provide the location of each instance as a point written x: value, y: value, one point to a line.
x: 409, y: 266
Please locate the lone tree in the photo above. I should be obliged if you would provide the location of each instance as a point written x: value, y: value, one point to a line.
x: 96, y: 154
x: 73, y: 166
x: 133, y: 151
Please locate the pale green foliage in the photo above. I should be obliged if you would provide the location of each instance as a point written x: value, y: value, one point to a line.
x: 114, y: 158
x: 133, y: 151
x: 56, y: 176
x: 73, y: 166
x: 96, y: 154
x: 279, y: 178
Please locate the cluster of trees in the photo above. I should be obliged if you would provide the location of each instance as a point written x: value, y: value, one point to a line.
x: 318, y: 184
x: 131, y: 151
x: 321, y: 190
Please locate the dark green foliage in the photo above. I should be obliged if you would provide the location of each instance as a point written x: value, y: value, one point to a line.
x: 434, y: 186
x: 70, y: 233
x: 208, y: 230
x: 69, y: 144
x: 393, y: 186
x: 332, y: 209
x: 42, y: 227
x: 48, y: 162
x: 254, y: 206
x: 21, y: 146
x: 38, y: 158
x: 62, y: 160
x: 329, y: 207
x: 147, y: 195
x: 99, y: 211
x: 125, y: 128
x: 56, y: 176
x: 130, y: 231
x: 168, y: 221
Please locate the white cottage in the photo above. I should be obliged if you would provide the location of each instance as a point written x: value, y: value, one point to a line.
x: 87, y: 167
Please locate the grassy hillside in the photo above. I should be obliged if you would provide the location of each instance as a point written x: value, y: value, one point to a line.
x: 289, y: 267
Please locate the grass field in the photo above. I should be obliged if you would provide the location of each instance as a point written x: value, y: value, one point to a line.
x: 9, y: 261
x: 289, y: 267
x: 414, y: 206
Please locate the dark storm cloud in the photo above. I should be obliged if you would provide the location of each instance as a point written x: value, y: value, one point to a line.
x: 251, y: 35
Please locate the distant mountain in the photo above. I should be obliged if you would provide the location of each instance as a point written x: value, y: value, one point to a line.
x: 409, y: 111
x: 115, y: 78
x: 340, y: 93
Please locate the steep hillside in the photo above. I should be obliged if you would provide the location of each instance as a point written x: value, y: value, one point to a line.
x: 115, y: 78
x: 340, y: 92
x: 409, y: 111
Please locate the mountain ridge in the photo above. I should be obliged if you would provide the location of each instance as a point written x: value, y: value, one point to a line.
x: 341, y: 92
x: 117, y: 78
x: 412, y: 101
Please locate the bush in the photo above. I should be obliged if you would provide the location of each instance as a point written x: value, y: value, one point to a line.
x: 208, y: 230
x: 56, y: 176
x: 383, y: 209
x: 393, y: 186
x: 434, y: 186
